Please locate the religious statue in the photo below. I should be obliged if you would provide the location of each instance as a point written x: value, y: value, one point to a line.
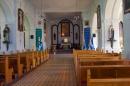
x: 40, y: 44
x: 6, y: 36
x: 111, y: 35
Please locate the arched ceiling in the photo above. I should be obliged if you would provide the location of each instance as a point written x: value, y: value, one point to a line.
x: 62, y: 5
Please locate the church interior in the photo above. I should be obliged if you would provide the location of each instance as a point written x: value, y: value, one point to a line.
x: 64, y: 42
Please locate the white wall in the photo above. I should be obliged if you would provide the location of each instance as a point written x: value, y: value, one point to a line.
x: 8, y: 15
x: 111, y: 13
x: 127, y: 35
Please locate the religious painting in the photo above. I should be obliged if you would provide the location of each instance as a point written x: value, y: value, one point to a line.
x: 99, y: 17
x: 126, y: 6
x: 54, y: 34
x: 20, y: 20
x: 65, y: 29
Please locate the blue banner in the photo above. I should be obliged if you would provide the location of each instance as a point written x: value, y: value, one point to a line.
x: 87, y: 36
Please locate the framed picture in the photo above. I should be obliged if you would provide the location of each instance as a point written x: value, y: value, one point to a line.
x: 20, y: 20
x: 99, y: 17
x: 126, y: 6
x: 65, y: 29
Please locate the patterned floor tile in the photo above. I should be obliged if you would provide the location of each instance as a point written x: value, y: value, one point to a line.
x: 58, y: 71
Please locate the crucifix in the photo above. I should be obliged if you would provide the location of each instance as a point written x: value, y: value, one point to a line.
x: 6, y: 36
x: 111, y: 36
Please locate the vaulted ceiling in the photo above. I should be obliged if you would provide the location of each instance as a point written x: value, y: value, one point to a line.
x: 61, y: 5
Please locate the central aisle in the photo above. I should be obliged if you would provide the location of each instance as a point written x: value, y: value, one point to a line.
x: 58, y: 71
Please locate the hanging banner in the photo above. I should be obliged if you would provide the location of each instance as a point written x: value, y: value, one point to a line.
x: 39, y: 43
x: 87, y: 36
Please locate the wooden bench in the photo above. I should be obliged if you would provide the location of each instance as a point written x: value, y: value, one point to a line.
x: 14, y: 62
x: 78, y: 61
x: 14, y: 66
x: 46, y: 54
x: 88, y: 57
x: 82, y: 70
x: 108, y: 75
x: 92, y: 55
x: 6, y: 72
x: 25, y: 61
x: 92, y: 52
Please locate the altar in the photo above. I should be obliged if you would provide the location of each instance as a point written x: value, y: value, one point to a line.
x: 66, y: 44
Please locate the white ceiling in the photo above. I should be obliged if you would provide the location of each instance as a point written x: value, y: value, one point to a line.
x: 62, y: 5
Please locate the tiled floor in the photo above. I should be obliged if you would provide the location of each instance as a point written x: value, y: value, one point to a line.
x: 58, y: 71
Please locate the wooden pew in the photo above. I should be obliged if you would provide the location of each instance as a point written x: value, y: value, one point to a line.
x: 90, y: 55
x: 79, y: 61
x: 24, y: 60
x: 6, y: 72
x: 82, y: 71
x: 84, y: 53
x: 46, y: 54
x: 14, y: 62
x: 31, y: 59
x: 38, y: 57
x: 108, y: 75
x: 41, y: 55
x: 19, y: 63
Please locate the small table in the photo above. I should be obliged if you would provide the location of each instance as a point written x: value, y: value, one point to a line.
x: 66, y: 45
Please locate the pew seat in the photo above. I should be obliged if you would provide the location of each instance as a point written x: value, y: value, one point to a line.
x: 111, y: 75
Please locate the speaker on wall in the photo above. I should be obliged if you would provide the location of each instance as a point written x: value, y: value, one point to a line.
x: 94, y: 35
x: 31, y: 36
